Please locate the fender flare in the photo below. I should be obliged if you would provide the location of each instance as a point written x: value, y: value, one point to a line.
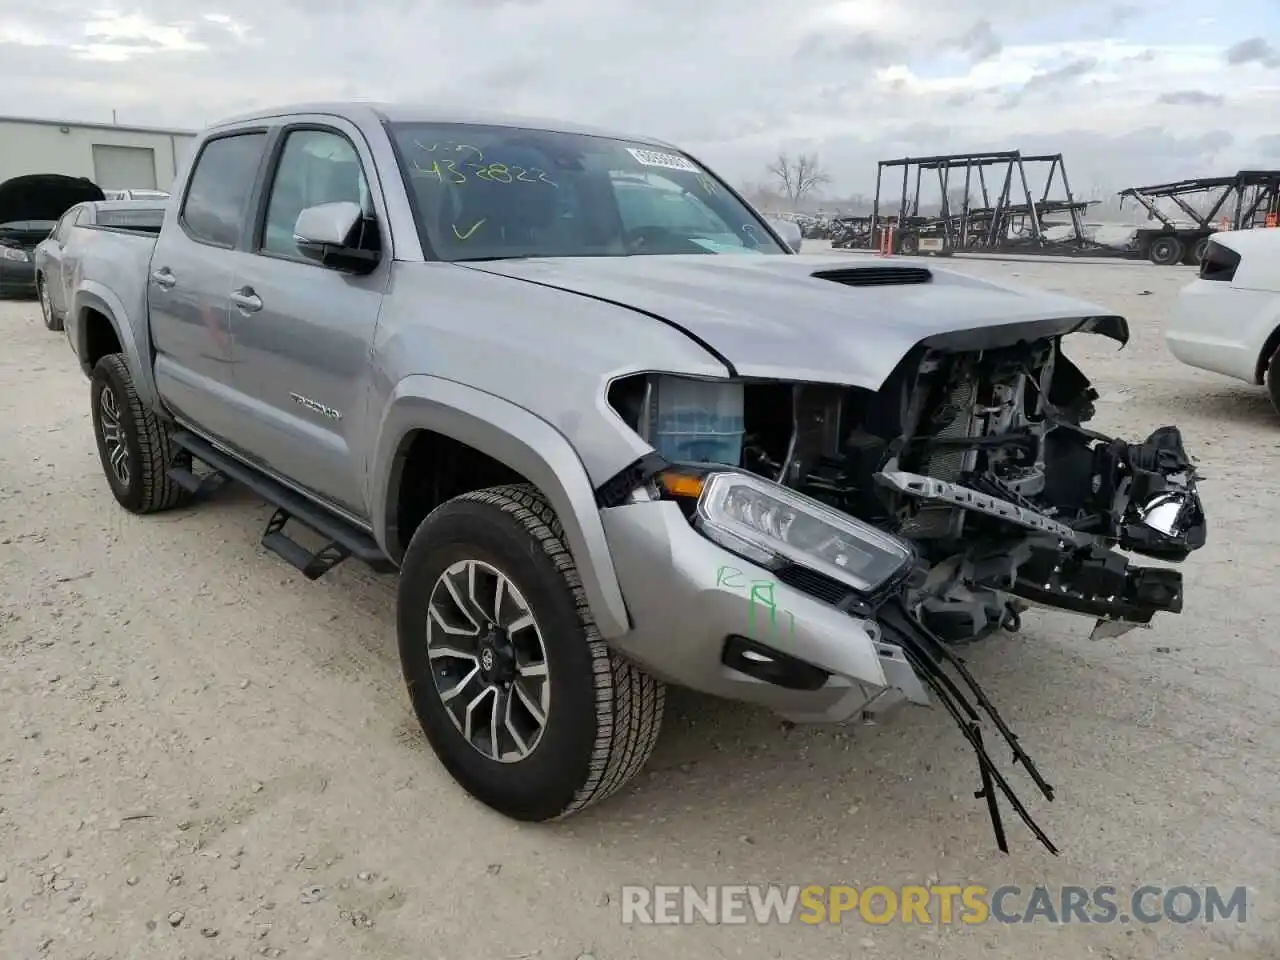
x: 525, y: 443
x: 92, y: 295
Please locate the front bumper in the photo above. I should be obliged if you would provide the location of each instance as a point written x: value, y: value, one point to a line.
x: 689, y: 598
x: 17, y: 278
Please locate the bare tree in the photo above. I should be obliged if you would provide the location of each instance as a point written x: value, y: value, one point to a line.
x: 799, y: 177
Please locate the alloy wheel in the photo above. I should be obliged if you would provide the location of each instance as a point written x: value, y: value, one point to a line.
x: 46, y: 305
x: 113, y: 439
x: 488, y: 660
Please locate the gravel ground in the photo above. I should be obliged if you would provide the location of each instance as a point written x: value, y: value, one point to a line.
x: 205, y: 755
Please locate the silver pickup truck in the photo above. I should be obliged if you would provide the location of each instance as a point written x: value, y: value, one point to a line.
x: 613, y: 432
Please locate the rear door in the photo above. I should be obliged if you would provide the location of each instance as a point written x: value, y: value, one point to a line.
x: 55, y: 246
x: 192, y: 272
x: 303, y: 332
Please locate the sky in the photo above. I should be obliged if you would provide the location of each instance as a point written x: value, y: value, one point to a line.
x: 1131, y: 93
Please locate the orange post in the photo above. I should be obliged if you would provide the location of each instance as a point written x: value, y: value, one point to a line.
x: 886, y: 241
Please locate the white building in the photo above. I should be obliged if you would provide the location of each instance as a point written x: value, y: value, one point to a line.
x: 114, y: 157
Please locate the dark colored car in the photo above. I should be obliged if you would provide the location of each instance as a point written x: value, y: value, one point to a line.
x: 29, y: 209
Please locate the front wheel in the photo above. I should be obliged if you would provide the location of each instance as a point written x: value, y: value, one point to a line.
x: 51, y: 320
x: 1272, y: 379
x: 522, y: 701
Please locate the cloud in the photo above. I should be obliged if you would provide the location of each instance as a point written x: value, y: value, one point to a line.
x: 732, y: 80
x: 1191, y: 98
x: 980, y: 41
x: 1253, y: 50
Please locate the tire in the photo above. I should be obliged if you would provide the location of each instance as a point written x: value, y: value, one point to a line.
x: 1199, y: 250
x: 603, y: 713
x: 121, y: 422
x: 1272, y: 379
x: 51, y: 322
x: 909, y: 245
x: 1166, y: 251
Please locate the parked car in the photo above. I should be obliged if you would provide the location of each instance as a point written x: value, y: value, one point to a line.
x: 601, y: 455
x: 57, y: 257
x: 1227, y: 320
x: 136, y: 195
x: 30, y: 207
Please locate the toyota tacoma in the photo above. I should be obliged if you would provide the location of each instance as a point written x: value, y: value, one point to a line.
x: 613, y: 432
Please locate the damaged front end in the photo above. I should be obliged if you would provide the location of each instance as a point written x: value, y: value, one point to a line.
x: 979, y: 460
x: 1015, y: 502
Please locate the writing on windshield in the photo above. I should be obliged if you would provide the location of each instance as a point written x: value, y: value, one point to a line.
x: 486, y: 192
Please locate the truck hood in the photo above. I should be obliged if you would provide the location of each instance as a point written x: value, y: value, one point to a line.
x: 843, y: 319
x: 44, y: 196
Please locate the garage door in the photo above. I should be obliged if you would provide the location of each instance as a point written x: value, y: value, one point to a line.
x: 124, y: 168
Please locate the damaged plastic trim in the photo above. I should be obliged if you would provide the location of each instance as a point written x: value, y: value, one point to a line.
x: 927, y: 653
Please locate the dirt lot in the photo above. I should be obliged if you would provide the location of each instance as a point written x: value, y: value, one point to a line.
x: 204, y: 755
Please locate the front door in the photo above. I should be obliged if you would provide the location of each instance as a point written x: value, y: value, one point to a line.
x: 303, y: 332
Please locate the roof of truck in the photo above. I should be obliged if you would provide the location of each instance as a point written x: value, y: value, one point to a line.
x: 429, y: 113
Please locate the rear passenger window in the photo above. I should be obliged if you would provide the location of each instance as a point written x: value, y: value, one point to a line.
x: 64, y: 225
x: 218, y: 197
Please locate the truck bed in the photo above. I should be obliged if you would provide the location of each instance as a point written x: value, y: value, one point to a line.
x: 115, y: 267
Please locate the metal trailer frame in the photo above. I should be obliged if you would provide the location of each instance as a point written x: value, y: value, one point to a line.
x: 1245, y: 200
x: 985, y: 227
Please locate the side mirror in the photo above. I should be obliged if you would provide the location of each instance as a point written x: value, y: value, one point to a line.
x: 789, y: 232
x: 329, y: 233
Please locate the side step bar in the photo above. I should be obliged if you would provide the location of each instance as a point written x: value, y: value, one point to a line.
x: 343, y: 539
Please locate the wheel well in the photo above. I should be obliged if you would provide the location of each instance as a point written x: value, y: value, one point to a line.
x: 1273, y: 343
x: 429, y: 469
x: 98, y: 337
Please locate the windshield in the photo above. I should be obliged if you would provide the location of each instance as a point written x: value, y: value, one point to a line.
x: 486, y: 192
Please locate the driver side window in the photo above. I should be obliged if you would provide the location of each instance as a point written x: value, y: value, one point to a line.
x: 316, y: 166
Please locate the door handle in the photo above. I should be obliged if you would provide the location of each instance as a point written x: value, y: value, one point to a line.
x: 246, y: 300
x: 164, y: 278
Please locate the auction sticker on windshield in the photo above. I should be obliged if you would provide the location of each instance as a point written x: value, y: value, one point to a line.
x: 652, y: 158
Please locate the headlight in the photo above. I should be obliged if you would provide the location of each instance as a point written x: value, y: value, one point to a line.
x: 13, y: 253
x: 765, y: 522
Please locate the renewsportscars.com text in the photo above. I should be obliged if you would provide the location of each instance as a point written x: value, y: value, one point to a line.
x: 944, y: 904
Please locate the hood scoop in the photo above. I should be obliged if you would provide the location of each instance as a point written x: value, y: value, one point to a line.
x: 875, y: 276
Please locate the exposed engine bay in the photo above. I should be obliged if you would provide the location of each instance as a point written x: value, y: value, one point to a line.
x: 982, y: 460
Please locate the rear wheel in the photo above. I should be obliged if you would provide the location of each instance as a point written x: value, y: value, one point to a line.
x: 51, y: 321
x: 523, y: 702
x: 1166, y: 251
x: 133, y: 444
